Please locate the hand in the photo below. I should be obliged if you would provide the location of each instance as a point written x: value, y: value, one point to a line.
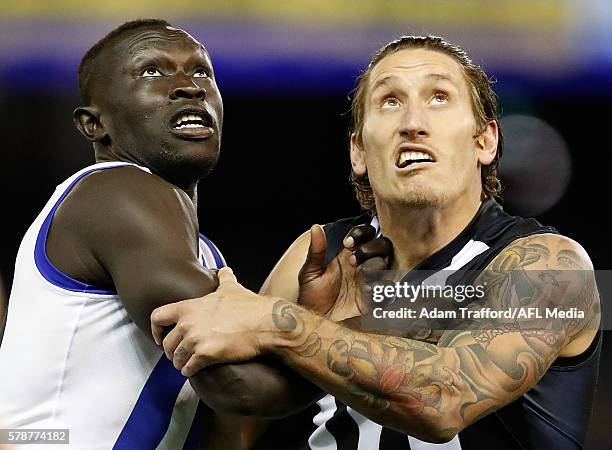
x: 219, y: 327
x: 335, y: 290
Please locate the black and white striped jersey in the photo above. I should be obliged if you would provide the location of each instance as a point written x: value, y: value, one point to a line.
x: 553, y: 415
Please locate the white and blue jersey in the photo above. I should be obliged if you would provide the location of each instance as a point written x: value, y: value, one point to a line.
x: 72, y: 358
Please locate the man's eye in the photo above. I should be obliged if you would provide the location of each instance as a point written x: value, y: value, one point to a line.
x: 200, y: 73
x: 390, y: 102
x: 439, y: 98
x: 151, y: 72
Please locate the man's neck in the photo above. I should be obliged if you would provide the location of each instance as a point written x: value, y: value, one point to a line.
x: 191, y: 189
x: 417, y: 233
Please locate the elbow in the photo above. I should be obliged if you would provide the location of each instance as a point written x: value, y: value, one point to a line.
x: 233, y: 402
x: 225, y: 391
x: 244, y: 389
x: 433, y: 431
x: 441, y: 435
x: 243, y: 401
x: 427, y: 423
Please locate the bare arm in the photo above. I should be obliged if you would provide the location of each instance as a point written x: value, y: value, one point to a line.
x: 428, y: 391
x: 278, y: 391
x: 126, y: 229
x: 263, y: 387
x: 433, y: 392
x: 301, y: 272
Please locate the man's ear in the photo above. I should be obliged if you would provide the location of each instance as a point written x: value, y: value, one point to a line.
x: 357, y: 157
x: 486, y: 143
x: 87, y: 121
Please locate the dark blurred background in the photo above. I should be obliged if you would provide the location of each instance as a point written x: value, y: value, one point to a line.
x: 285, y: 72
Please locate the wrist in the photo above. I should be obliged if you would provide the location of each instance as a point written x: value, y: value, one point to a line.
x: 285, y: 327
x: 269, y: 336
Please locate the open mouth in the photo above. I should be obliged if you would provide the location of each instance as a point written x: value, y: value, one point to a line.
x: 191, y: 119
x: 409, y: 157
x: 193, y: 124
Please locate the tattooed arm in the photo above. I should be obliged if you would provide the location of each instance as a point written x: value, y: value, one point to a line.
x: 425, y: 390
x: 433, y: 392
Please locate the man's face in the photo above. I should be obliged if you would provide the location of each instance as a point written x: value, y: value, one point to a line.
x: 160, y: 105
x: 418, y: 145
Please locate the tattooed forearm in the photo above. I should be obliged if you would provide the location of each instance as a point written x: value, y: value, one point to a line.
x: 285, y: 317
x: 432, y: 391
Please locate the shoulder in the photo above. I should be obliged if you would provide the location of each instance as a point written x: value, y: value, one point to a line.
x: 283, y: 280
x: 127, y: 184
x: 551, y: 272
x: 548, y: 250
x: 124, y: 198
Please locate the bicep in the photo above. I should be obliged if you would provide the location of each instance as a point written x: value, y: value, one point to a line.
x: 543, y: 291
x: 149, y: 247
x: 283, y: 280
x: 152, y: 279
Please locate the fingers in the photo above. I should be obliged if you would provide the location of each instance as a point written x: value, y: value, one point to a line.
x: 375, y: 263
x: 194, y: 365
x: 226, y: 275
x: 171, y: 342
x: 314, y: 265
x: 318, y: 245
x: 181, y: 351
x: 162, y: 317
x: 376, y: 251
x: 359, y: 235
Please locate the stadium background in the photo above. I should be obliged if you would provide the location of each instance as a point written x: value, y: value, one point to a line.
x: 285, y: 70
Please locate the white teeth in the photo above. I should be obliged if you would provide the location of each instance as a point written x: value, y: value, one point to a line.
x: 190, y: 125
x: 188, y: 118
x: 413, y: 156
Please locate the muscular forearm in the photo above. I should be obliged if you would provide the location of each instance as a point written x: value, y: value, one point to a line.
x: 428, y: 391
x: 263, y: 388
x: 401, y: 383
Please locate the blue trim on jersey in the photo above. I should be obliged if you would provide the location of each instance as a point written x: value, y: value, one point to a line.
x: 46, y: 268
x: 201, y: 257
x: 213, y: 249
x: 195, y: 432
x: 150, y: 418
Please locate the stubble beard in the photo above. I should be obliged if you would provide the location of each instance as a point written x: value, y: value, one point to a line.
x: 421, y: 197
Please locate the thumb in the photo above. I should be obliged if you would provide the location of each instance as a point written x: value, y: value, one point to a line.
x: 226, y: 275
x: 314, y: 265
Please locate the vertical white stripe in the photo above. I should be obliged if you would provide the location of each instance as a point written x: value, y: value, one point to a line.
x: 181, y: 420
x: 219, y: 252
x: 374, y: 222
x: 465, y: 255
x: 453, y: 444
x: 322, y: 439
x: 369, y: 431
x: 206, y: 255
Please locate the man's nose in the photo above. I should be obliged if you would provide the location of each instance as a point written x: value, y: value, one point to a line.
x: 187, y: 88
x: 414, y: 122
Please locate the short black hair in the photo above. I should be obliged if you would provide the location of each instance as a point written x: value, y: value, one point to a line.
x: 87, y: 62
